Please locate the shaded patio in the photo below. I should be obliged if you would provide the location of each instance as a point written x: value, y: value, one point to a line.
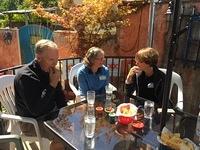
x: 119, y: 67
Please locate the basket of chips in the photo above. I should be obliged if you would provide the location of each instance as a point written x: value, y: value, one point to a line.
x: 174, y: 141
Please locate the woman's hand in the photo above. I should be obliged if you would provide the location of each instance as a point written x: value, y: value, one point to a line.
x: 134, y: 70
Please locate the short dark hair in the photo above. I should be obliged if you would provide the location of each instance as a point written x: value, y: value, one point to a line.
x: 147, y: 55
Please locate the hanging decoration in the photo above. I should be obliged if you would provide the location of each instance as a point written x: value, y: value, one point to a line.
x: 7, y: 37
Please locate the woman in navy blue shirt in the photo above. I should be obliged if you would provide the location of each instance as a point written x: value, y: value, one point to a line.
x: 93, y: 75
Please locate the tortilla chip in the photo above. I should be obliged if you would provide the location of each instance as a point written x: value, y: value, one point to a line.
x: 165, y: 137
x: 174, y: 142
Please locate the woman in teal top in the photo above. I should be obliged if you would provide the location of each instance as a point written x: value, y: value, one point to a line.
x: 93, y: 75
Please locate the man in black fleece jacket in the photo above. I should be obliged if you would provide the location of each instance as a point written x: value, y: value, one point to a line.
x: 37, y: 87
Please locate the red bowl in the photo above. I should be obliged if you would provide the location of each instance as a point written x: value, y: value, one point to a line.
x: 99, y: 109
x: 125, y: 120
x: 138, y: 125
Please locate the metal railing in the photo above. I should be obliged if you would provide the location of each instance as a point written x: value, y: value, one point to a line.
x: 118, y: 68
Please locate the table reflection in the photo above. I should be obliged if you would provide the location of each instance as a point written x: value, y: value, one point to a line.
x: 69, y: 126
x: 89, y: 143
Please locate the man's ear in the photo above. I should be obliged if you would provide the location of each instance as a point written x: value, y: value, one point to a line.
x: 38, y: 57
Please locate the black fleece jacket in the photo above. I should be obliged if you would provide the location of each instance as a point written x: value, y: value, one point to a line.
x: 34, y: 96
x: 150, y: 88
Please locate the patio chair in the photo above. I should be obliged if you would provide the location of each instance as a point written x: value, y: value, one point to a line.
x: 7, y: 101
x: 28, y: 36
x: 73, y: 81
x: 14, y: 139
x: 176, y: 80
x: 178, y: 108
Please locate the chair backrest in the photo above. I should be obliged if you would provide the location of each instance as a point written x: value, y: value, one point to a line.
x: 7, y: 93
x: 176, y: 80
x: 7, y: 100
x: 12, y: 138
x: 28, y: 36
x: 72, y: 75
x: 7, y: 96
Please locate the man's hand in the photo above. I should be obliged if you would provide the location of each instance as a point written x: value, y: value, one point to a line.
x: 54, y: 77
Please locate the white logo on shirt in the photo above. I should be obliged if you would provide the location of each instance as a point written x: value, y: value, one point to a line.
x: 43, y: 93
x: 102, y: 77
x: 150, y: 85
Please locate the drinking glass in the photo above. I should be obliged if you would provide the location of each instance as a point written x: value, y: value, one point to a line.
x: 108, y: 98
x: 90, y: 110
x: 148, y: 109
x: 90, y: 97
x: 108, y: 93
x: 90, y: 143
x: 89, y: 124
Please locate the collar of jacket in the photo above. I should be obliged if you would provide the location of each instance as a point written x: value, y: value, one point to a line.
x: 90, y: 71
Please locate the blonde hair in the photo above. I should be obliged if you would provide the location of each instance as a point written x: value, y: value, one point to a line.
x: 43, y: 44
x: 91, y: 55
x: 148, y: 56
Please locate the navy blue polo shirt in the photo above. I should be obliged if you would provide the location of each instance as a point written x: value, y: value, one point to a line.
x: 87, y: 80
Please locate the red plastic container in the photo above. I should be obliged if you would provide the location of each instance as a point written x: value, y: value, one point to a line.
x: 138, y: 125
x: 99, y: 111
x: 125, y: 120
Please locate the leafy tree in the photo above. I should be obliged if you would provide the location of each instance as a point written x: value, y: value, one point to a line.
x: 45, y: 3
x: 95, y: 21
x: 24, y: 4
x: 7, y: 5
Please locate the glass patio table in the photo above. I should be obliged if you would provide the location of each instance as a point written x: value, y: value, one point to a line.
x: 149, y: 134
x: 69, y: 126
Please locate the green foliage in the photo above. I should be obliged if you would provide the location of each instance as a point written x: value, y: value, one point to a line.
x: 7, y: 5
x: 3, y: 23
x: 45, y: 3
